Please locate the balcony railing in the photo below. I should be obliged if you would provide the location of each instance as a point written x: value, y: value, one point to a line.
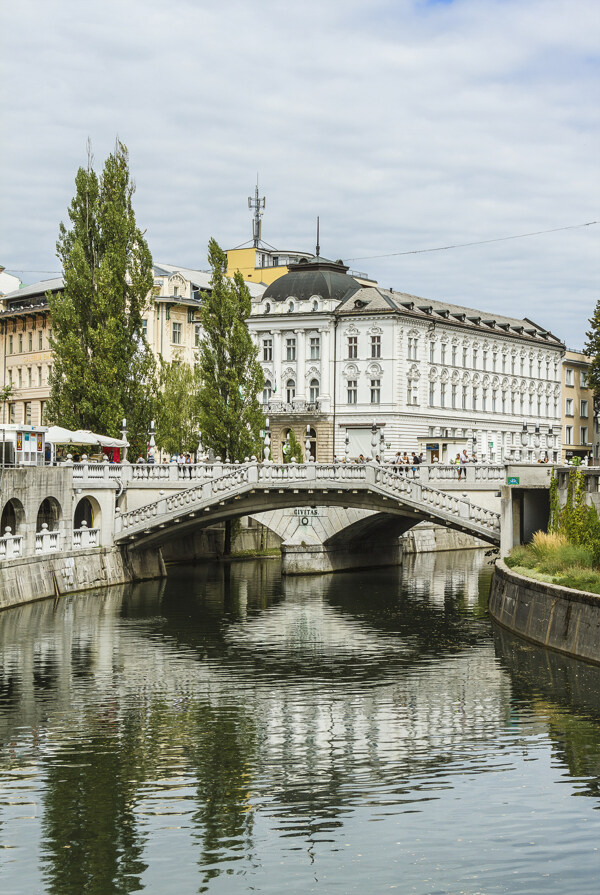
x: 271, y: 407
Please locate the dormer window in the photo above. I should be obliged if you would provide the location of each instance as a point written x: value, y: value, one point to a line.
x: 359, y: 303
x: 267, y: 308
x: 175, y: 291
x: 291, y: 308
x: 315, y: 305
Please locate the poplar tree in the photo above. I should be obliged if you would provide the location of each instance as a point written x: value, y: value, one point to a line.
x: 592, y: 349
x: 103, y: 369
x: 231, y: 376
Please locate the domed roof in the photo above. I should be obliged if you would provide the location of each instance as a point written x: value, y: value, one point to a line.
x: 315, y: 277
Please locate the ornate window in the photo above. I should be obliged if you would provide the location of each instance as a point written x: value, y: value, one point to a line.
x: 375, y: 391
x: 267, y: 391
x: 353, y: 347
x: 267, y: 350
x: 352, y: 391
x: 375, y: 346
x: 290, y: 349
x: 176, y: 334
x: 315, y: 347
x: 314, y: 391
x: 290, y: 390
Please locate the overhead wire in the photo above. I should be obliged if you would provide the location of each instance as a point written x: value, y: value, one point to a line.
x: 462, y: 245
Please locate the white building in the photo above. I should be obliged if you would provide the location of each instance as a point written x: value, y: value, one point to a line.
x: 432, y: 377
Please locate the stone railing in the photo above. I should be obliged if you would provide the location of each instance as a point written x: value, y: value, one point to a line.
x: 270, y: 476
x: 47, y: 541
x: 85, y: 537
x: 296, y: 406
x: 10, y: 545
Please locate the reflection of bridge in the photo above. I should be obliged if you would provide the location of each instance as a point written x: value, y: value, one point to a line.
x: 257, y: 487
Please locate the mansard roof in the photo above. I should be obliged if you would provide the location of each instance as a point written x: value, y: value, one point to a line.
x: 374, y: 300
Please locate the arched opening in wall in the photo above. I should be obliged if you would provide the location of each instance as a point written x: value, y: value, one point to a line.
x: 84, y: 512
x: 13, y: 517
x: 49, y: 513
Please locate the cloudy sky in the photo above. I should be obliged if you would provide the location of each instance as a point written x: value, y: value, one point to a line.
x: 404, y: 124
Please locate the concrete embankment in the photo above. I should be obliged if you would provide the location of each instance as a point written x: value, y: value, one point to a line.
x: 557, y: 617
x: 25, y: 580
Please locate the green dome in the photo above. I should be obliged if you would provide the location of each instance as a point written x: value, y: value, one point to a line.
x: 328, y: 279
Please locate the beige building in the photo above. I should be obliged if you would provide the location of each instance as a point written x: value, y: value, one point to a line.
x: 577, y: 407
x: 171, y: 324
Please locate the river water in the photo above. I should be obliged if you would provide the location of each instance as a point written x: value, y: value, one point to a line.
x: 230, y: 731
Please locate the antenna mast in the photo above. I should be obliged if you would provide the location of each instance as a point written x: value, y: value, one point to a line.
x: 257, y: 204
x: 318, y: 246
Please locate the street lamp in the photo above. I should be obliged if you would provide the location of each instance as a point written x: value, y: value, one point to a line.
x: 124, y: 437
x: 373, y: 440
x: 151, y: 442
x: 307, y: 445
x: 267, y: 441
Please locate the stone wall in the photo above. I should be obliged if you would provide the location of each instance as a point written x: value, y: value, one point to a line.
x: 429, y: 538
x: 25, y: 580
x: 557, y: 617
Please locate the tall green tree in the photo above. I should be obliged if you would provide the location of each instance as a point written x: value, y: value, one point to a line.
x: 103, y: 369
x: 592, y: 349
x: 231, y: 376
x: 178, y: 412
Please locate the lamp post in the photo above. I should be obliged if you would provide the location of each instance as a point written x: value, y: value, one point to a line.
x: 151, y: 442
x: 307, y: 445
x: 373, y: 440
x: 381, y: 446
x: 267, y: 441
x: 124, y: 437
x: 199, y: 448
x: 347, y: 447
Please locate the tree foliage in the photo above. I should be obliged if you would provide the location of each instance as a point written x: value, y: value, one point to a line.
x: 231, y: 376
x: 292, y: 449
x: 592, y: 349
x: 178, y: 412
x: 103, y: 369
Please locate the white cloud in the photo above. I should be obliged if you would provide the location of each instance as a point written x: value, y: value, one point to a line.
x: 402, y: 124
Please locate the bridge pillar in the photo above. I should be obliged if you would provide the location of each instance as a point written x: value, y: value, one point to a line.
x: 510, y: 521
x: 315, y: 559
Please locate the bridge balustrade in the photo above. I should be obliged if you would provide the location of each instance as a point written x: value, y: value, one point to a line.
x: 10, y: 545
x: 85, y: 537
x: 47, y: 541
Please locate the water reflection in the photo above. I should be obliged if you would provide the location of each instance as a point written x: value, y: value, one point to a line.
x: 170, y: 734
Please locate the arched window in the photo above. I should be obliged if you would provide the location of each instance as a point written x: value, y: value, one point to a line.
x: 267, y: 390
x: 290, y: 390
x: 291, y: 308
x: 267, y: 308
x: 314, y: 391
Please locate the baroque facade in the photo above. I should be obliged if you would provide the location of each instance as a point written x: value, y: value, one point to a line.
x: 374, y: 369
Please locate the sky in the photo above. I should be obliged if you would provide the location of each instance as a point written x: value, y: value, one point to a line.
x: 403, y: 124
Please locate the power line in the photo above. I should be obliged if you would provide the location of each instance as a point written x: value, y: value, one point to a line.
x: 462, y: 245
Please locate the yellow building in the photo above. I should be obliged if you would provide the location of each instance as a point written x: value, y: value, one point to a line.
x: 577, y: 407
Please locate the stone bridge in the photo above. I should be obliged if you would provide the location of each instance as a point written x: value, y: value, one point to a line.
x: 396, y: 502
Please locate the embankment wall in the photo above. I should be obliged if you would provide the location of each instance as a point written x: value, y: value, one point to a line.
x: 557, y: 617
x: 25, y: 580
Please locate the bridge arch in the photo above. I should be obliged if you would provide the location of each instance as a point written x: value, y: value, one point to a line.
x: 255, y: 488
x: 13, y: 516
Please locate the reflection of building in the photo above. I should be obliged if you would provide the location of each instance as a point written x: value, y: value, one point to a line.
x: 577, y: 407
x: 380, y: 370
